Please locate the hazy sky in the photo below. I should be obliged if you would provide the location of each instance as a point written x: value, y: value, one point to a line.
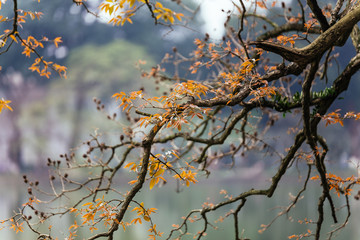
x: 214, y: 17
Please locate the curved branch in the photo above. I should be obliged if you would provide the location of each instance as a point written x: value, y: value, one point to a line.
x: 287, y: 27
x: 335, y: 11
x: 147, y: 144
x: 336, y: 35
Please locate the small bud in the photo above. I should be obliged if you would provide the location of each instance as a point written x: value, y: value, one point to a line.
x: 207, y: 36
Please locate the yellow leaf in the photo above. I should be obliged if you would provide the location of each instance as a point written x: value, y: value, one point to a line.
x: 75, y: 225
x: 5, y: 104
x: 111, y: 9
x: 13, y: 38
x: 129, y: 164
x: 57, y: 41
x: 89, y: 203
x: 315, y: 177
x: 158, y: 5
x: 132, y: 2
x: 129, y: 20
x: 179, y: 15
x: 132, y: 182
x: 173, y: 153
x: 152, y: 183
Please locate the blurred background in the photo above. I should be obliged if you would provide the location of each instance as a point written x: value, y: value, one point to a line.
x: 54, y: 115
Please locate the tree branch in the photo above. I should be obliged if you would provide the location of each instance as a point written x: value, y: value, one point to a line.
x: 318, y: 14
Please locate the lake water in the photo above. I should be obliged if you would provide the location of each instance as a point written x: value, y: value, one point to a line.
x: 172, y: 206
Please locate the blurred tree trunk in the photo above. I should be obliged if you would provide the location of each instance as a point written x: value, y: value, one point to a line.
x: 81, y: 98
x: 16, y: 91
x: 15, y: 147
x: 79, y: 105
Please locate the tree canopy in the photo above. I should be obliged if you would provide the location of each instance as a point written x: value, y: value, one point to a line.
x: 216, y: 106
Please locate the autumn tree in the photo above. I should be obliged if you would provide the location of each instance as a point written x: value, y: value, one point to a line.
x: 266, y: 69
